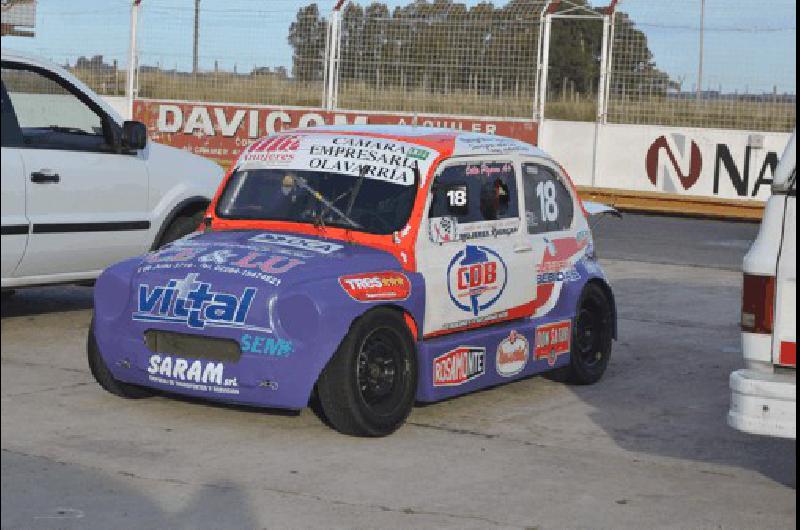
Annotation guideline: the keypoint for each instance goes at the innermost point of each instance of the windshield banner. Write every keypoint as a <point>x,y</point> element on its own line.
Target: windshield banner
<point>380,159</point>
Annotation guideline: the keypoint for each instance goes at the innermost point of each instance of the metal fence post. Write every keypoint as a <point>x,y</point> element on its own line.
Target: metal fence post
<point>331,73</point>
<point>130,88</point>
<point>544,63</point>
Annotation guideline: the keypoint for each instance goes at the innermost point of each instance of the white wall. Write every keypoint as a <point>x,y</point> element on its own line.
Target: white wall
<point>701,157</point>
<point>119,104</point>
<point>572,144</point>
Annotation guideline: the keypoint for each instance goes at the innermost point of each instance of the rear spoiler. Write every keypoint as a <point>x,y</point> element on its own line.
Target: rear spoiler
<point>595,208</point>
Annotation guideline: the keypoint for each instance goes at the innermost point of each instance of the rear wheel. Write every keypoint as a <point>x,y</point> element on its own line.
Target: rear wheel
<point>368,387</point>
<point>592,335</point>
<point>104,377</point>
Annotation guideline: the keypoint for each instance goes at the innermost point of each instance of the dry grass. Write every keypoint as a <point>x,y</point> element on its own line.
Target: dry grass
<point>274,90</point>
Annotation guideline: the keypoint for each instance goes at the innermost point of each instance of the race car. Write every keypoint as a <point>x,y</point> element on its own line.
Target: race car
<point>365,268</point>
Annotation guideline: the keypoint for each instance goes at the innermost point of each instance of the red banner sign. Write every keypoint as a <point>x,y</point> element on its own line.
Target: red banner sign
<point>222,131</point>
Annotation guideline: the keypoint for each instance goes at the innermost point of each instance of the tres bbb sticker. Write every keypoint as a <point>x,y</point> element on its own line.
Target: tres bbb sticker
<point>388,285</point>
<point>458,366</point>
<point>512,354</point>
<point>553,340</point>
<point>476,278</point>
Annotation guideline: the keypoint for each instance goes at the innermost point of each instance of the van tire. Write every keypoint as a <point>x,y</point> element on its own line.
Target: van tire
<point>181,226</point>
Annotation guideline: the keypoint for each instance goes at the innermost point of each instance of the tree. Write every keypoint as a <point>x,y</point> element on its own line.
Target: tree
<point>307,38</point>
<point>445,46</point>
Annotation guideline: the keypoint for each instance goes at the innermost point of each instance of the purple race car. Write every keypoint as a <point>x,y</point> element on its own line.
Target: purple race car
<point>369,267</point>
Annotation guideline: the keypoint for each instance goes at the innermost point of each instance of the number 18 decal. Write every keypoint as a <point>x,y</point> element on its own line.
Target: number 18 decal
<point>546,191</point>
<point>457,197</point>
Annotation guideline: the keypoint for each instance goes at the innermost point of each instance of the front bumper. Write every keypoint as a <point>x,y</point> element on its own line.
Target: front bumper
<point>764,403</point>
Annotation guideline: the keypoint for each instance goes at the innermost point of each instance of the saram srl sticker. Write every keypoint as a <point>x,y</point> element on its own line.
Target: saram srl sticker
<point>369,287</point>
<point>553,340</point>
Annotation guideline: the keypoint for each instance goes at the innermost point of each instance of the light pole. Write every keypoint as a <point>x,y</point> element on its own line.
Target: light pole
<point>700,62</point>
<point>196,29</point>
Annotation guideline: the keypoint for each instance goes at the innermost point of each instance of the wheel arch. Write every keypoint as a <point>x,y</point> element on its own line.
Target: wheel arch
<point>190,204</point>
<point>606,288</point>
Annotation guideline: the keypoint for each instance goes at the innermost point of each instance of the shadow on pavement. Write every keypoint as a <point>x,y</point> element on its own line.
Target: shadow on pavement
<point>42,300</point>
<point>41,493</point>
<point>666,390</point>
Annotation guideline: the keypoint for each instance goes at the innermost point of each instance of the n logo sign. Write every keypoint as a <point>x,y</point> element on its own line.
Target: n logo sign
<point>677,163</point>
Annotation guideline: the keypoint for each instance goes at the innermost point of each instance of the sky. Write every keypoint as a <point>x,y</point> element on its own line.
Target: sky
<point>745,48</point>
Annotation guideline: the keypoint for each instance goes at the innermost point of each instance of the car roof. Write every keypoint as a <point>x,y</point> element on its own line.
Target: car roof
<point>461,143</point>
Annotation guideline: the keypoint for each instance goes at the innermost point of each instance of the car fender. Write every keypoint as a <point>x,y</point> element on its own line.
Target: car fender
<point>337,312</point>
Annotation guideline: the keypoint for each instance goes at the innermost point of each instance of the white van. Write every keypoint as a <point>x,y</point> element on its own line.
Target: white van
<point>81,188</point>
<point>763,395</point>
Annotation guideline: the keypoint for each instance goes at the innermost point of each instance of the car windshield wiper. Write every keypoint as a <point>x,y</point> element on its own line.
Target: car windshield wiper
<point>352,192</point>
<point>318,219</point>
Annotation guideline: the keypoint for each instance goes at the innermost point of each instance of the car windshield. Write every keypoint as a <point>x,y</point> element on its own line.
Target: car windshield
<point>317,197</point>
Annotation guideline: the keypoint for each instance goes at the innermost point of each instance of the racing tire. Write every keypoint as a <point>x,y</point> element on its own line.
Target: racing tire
<point>103,375</point>
<point>369,385</point>
<point>592,336</point>
<point>181,226</point>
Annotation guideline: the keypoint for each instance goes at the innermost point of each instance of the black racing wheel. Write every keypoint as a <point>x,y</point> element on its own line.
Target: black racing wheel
<point>369,385</point>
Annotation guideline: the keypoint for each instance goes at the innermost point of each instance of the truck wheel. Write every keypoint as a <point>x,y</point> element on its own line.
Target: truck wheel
<point>181,226</point>
<point>368,387</point>
<point>103,375</point>
<point>591,337</point>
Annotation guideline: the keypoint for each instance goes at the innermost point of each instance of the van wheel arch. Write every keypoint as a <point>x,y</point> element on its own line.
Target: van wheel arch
<point>187,208</point>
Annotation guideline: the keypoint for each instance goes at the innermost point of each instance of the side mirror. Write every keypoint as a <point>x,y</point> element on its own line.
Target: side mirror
<point>134,135</point>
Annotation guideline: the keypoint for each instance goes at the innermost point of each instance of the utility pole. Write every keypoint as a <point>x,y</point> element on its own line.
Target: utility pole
<point>196,31</point>
<point>700,62</point>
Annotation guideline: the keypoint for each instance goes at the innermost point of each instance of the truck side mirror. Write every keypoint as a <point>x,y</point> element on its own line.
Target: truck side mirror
<point>134,135</point>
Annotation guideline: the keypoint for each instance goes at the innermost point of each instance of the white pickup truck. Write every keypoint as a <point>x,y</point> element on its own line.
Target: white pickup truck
<point>764,395</point>
<point>81,188</point>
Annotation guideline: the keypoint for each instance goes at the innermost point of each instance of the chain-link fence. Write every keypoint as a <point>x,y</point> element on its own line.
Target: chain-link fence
<point>440,57</point>
<point>234,52</point>
<point>704,63</point>
<point>91,43</point>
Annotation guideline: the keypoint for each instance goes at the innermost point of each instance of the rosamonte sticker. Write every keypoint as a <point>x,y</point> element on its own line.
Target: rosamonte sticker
<point>386,160</point>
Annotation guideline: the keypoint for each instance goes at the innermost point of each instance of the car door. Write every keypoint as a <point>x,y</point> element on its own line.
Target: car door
<point>472,251</point>
<point>15,225</point>
<point>86,201</point>
<point>550,225</point>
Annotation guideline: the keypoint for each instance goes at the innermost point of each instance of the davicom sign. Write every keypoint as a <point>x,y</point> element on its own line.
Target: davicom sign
<point>222,131</point>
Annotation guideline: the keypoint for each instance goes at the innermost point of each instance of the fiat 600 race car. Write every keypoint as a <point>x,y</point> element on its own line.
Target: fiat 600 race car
<point>369,267</point>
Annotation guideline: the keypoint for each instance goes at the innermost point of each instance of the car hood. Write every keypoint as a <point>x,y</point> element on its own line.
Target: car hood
<point>263,259</point>
<point>226,279</point>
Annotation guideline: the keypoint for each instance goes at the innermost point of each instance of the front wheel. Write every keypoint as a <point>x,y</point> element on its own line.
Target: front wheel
<point>368,387</point>
<point>592,336</point>
<point>104,377</point>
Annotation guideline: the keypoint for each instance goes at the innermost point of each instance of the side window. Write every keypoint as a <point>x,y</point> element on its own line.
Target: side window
<point>548,203</point>
<point>476,191</point>
<point>11,135</point>
<point>49,115</point>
